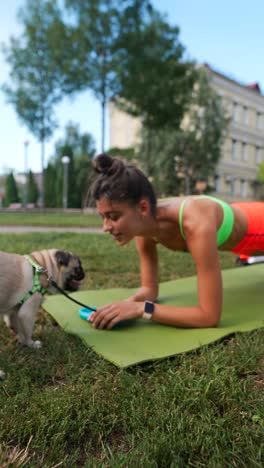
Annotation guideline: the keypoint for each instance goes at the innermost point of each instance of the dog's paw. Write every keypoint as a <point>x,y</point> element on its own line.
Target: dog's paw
<point>31,344</point>
<point>36,344</point>
<point>2,375</point>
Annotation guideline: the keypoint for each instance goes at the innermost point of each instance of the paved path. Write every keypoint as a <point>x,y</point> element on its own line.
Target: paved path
<point>23,229</point>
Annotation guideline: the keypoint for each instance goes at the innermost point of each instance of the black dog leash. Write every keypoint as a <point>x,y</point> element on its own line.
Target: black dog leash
<point>53,283</point>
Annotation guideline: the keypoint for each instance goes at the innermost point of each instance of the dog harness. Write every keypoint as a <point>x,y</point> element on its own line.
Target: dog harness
<point>37,287</point>
<point>226,227</point>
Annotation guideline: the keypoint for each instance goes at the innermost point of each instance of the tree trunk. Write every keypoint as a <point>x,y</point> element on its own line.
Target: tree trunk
<point>42,185</point>
<point>103,126</point>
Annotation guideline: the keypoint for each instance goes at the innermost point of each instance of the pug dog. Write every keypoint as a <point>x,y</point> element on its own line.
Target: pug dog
<point>24,281</point>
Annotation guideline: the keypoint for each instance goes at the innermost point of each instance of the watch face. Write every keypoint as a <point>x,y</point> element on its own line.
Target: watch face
<point>149,307</point>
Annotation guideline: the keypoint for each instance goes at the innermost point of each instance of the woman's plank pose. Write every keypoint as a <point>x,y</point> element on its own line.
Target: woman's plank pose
<point>201,225</point>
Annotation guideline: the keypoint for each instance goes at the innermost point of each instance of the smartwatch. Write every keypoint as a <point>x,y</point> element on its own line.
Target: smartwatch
<point>148,310</point>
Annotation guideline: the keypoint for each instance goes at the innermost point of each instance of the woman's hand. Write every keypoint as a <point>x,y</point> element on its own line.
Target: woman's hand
<point>110,314</point>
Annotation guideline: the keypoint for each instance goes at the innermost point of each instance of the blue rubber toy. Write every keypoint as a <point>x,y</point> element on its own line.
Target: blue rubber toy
<point>85,313</point>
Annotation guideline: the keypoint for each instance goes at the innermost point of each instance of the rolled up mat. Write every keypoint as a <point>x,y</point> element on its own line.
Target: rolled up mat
<point>141,340</point>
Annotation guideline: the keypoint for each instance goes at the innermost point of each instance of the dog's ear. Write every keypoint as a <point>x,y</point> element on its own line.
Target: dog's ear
<point>62,257</point>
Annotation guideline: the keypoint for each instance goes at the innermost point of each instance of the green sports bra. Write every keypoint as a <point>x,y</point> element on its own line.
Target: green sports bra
<point>226,227</point>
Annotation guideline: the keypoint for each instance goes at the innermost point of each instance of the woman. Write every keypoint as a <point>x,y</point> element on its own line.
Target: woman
<point>201,225</point>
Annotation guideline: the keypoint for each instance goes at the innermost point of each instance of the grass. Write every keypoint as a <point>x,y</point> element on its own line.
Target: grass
<point>60,219</point>
<point>65,406</point>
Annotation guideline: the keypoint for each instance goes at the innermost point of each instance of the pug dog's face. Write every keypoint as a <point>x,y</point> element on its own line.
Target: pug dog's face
<point>70,270</point>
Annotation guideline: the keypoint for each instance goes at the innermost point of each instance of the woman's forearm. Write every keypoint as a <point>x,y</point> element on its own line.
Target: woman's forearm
<point>183,317</point>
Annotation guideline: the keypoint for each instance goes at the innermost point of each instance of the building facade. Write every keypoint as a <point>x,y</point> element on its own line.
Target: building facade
<point>243,147</point>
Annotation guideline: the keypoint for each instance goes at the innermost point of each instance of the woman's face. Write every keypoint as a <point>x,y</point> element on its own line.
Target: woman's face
<point>122,220</point>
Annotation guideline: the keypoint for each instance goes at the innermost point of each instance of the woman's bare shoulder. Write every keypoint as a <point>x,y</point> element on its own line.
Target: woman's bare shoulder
<point>199,215</point>
<point>169,207</point>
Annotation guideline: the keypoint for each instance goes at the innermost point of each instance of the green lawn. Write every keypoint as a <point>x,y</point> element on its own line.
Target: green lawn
<point>65,406</point>
<point>49,219</point>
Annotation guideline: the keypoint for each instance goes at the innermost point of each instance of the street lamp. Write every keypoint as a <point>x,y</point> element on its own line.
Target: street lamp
<point>65,161</point>
<point>26,143</point>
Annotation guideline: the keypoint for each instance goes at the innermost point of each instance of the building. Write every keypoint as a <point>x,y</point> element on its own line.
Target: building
<point>243,147</point>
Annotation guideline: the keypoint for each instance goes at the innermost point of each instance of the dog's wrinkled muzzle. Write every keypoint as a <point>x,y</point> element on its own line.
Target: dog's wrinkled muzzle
<point>74,281</point>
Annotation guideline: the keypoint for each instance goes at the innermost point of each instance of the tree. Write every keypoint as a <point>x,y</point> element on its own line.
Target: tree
<point>51,181</point>
<point>156,156</point>
<point>260,177</point>
<point>32,191</point>
<point>99,30</point>
<point>178,158</point>
<point>259,183</point>
<point>125,153</point>
<point>201,133</point>
<point>35,74</point>
<point>11,191</point>
<point>81,149</point>
<point>94,34</point>
<point>155,80</point>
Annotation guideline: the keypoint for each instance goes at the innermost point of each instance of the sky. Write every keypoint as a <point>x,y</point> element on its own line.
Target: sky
<point>228,35</point>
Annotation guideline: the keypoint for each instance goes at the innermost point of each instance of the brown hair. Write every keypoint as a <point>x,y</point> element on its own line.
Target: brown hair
<point>119,181</point>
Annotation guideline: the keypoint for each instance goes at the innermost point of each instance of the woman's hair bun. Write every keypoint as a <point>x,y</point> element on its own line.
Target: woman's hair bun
<point>118,181</point>
<point>106,165</point>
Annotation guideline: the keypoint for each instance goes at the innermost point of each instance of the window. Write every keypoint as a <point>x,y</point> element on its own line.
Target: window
<point>243,188</point>
<point>258,154</point>
<point>234,150</point>
<point>217,181</point>
<point>235,111</point>
<point>245,115</point>
<point>258,120</point>
<point>232,186</point>
<point>244,152</point>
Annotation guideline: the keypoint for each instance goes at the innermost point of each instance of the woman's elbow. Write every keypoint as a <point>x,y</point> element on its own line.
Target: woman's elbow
<point>211,320</point>
<point>213,323</point>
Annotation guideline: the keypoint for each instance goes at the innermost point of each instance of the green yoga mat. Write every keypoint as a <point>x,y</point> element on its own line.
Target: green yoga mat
<point>141,341</point>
